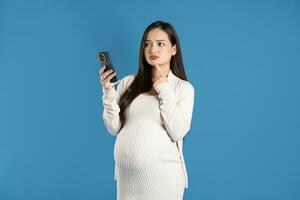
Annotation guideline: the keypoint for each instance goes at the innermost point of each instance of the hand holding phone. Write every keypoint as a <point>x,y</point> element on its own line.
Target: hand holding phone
<point>105,60</point>
<point>107,72</point>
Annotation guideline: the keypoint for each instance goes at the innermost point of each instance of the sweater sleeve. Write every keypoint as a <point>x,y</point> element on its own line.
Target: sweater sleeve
<point>176,112</point>
<point>110,99</point>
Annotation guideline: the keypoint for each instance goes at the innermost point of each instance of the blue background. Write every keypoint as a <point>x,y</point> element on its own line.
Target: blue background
<point>242,57</point>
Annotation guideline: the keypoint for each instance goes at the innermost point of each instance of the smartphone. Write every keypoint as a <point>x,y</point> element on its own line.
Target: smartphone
<point>105,59</point>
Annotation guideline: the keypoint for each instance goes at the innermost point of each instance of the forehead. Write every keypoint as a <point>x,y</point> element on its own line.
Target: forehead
<point>157,34</point>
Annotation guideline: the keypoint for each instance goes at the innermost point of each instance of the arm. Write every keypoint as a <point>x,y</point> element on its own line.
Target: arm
<point>111,109</point>
<point>177,114</point>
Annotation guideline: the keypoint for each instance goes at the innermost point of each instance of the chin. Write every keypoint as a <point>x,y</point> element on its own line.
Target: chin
<point>154,63</point>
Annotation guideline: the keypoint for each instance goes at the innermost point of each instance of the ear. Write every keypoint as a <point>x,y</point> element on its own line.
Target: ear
<point>174,50</point>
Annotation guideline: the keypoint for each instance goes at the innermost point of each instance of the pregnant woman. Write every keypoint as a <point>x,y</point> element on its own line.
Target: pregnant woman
<point>150,112</point>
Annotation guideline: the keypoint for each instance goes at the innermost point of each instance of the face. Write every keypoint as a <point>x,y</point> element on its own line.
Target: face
<point>158,48</point>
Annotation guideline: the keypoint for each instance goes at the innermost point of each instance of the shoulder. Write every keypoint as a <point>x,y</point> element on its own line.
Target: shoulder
<point>182,86</point>
<point>125,82</point>
<point>129,77</point>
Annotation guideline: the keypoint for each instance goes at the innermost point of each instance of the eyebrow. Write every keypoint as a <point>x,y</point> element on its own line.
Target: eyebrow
<point>156,40</point>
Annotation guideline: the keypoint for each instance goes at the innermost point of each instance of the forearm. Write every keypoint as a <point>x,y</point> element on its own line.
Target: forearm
<point>111,111</point>
<point>177,114</point>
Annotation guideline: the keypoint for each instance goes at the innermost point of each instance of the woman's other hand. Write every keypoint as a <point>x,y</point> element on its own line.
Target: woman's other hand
<point>157,76</point>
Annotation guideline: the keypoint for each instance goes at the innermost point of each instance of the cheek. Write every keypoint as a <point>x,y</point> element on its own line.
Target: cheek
<point>167,53</point>
<point>167,50</point>
<point>146,52</point>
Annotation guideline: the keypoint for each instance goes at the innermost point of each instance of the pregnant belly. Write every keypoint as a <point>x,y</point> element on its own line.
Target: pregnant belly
<point>140,145</point>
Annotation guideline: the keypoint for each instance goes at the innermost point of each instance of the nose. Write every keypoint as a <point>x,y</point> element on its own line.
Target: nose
<point>153,49</point>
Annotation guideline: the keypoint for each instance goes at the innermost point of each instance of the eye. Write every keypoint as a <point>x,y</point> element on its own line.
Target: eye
<point>147,44</point>
<point>161,44</point>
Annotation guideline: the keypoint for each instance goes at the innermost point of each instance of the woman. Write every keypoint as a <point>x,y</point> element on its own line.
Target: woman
<point>150,113</point>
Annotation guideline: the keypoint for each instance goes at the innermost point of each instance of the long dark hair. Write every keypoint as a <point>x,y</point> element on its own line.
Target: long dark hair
<point>143,79</point>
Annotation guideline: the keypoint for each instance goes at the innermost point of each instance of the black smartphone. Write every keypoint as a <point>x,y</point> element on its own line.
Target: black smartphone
<point>105,59</point>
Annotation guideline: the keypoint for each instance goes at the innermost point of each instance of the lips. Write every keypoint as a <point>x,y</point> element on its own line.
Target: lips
<point>154,57</point>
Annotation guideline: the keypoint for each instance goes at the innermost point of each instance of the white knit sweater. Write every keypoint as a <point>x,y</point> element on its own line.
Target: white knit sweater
<point>176,102</point>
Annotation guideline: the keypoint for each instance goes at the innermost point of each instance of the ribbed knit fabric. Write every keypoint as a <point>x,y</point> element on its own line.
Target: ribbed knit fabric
<point>149,163</point>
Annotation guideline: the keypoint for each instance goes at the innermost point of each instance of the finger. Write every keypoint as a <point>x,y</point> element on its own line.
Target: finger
<point>105,74</point>
<point>158,68</point>
<point>107,79</point>
<point>102,69</point>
